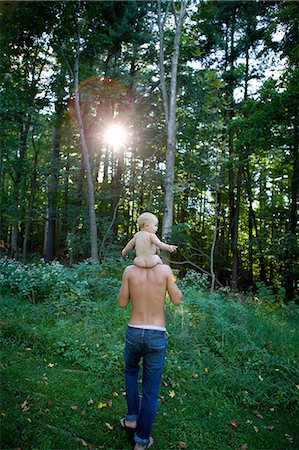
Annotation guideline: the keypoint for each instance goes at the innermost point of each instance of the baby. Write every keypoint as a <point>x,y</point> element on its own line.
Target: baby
<point>146,243</point>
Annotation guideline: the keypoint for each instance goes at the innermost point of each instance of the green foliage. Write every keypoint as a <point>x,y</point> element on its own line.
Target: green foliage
<point>227,360</point>
<point>194,281</point>
<point>267,295</point>
<point>52,281</point>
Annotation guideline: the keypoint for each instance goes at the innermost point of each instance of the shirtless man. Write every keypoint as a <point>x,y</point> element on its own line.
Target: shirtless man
<point>145,338</point>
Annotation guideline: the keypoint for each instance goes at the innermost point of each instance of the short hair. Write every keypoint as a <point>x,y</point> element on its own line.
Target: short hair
<point>146,218</point>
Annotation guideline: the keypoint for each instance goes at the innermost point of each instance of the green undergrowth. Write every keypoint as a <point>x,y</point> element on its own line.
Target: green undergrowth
<point>230,379</point>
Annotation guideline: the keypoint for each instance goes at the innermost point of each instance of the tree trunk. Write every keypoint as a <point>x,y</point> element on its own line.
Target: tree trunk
<point>290,254</point>
<point>31,201</point>
<point>50,246</point>
<point>18,181</point>
<point>90,192</point>
<point>250,224</point>
<point>235,239</point>
<point>233,220</point>
<point>170,111</point>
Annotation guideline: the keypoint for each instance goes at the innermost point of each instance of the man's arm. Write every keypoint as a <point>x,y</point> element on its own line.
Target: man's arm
<point>123,296</point>
<point>130,245</point>
<point>174,292</point>
<point>169,248</point>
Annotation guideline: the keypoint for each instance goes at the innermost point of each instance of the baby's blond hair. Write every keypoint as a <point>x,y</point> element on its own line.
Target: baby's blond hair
<point>146,218</point>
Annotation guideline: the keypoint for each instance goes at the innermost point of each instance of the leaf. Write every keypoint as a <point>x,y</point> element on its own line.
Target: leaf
<point>102,405</point>
<point>90,402</point>
<point>270,427</point>
<point>25,406</point>
<point>256,429</point>
<point>84,443</point>
<point>51,365</point>
<point>260,378</point>
<point>289,438</point>
<point>194,375</point>
<point>171,393</point>
<point>234,423</point>
<point>110,427</point>
<point>182,444</point>
<point>74,407</point>
<point>244,446</point>
<point>257,414</point>
<point>109,403</point>
<point>206,369</point>
<point>115,394</point>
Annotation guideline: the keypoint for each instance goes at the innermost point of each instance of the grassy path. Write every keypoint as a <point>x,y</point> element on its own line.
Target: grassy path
<point>230,379</point>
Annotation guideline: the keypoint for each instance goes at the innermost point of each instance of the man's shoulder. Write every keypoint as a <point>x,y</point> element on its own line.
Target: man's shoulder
<point>163,268</point>
<point>128,269</point>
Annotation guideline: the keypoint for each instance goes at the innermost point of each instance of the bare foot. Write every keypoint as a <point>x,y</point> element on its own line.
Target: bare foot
<point>142,447</point>
<point>125,423</point>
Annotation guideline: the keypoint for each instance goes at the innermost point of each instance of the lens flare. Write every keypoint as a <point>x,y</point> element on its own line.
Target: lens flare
<point>115,136</point>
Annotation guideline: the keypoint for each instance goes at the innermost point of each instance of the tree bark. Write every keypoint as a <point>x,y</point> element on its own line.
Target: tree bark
<point>31,202</point>
<point>235,270</point>
<point>290,256</point>
<point>90,191</point>
<point>50,244</point>
<point>170,111</point>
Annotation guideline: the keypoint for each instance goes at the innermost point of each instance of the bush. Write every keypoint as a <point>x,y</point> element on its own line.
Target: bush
<point>194,281</point>
<point>266,294</point>
<point>52,281</point>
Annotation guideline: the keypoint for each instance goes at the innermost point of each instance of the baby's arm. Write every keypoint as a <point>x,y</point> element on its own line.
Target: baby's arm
<point>130,245</point>
<point>169,248</point>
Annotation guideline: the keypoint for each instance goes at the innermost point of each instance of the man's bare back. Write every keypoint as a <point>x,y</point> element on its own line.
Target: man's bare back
<point>146,288</point>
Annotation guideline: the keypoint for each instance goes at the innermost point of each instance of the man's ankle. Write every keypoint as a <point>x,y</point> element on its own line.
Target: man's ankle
<point>142,447</point>
<point>131,423</point>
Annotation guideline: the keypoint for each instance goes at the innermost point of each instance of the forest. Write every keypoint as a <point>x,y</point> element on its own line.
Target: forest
<point>187,109</point>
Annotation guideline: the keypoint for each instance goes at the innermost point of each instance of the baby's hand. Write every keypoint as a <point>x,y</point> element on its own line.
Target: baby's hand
<point>172,248</point>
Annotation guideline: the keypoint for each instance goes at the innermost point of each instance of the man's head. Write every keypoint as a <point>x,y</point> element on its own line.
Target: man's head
<point>148,222</point>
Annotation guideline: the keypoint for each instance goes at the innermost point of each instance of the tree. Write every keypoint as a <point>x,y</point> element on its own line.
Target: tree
<point>169,103</point>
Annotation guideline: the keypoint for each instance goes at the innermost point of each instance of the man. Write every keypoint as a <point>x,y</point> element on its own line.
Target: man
<point>145,338</point>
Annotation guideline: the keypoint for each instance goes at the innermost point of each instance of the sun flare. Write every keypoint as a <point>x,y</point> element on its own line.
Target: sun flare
<point>115,136</point>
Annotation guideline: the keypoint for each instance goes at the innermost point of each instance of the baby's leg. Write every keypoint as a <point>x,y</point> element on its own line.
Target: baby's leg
<point>147,261</point>
<point>140,261</point>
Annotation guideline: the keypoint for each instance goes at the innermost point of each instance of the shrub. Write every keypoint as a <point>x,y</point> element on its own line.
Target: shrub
<point>266,294</point>
<point>52,281</point>
<point>194,281</point>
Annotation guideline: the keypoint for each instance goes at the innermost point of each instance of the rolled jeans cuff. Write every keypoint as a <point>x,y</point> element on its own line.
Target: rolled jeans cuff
<point>131,416</point>
<point>140,441</point>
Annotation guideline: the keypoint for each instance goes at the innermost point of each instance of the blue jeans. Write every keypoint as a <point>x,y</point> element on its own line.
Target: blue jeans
<point>151,346</point>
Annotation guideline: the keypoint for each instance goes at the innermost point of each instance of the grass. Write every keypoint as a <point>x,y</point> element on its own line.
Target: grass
<point>230,380</point>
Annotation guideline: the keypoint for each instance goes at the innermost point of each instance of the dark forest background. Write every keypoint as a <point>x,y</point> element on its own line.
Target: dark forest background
<point>236,167</point>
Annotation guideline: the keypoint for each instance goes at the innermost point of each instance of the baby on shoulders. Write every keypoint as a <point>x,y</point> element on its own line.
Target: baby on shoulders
<point>146,243</point>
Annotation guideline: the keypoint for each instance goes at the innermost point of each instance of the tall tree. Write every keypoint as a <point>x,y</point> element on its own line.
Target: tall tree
<point>169,103</point>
